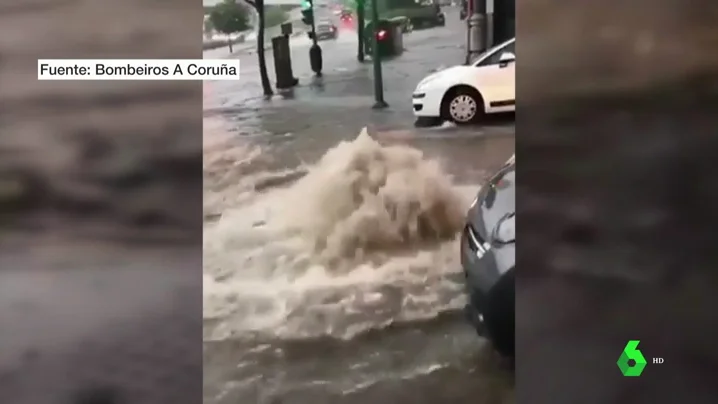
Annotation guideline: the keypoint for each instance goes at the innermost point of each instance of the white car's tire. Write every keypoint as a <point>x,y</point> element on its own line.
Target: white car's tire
<point>462,105</point>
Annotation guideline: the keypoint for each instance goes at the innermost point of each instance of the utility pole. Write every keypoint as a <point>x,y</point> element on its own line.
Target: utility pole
<point>478,27</point>
<point>361,9</point>
<point>376,59</point>
<point>315,52</point>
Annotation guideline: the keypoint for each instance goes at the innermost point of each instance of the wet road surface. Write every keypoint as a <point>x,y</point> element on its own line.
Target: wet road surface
<point>330,269</point>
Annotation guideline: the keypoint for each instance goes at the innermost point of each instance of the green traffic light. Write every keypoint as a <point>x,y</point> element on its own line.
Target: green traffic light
<point>306,4</point>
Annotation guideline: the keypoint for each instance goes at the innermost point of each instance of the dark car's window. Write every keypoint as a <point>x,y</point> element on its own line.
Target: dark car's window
<point>503,179</point>
<point>494,58</point>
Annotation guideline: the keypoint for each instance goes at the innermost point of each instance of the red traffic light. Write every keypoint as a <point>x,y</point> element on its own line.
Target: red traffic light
<point>381,35</point>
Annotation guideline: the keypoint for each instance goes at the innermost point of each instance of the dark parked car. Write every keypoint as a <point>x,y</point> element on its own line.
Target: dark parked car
<point>488,257</point>
<point>427,16</point>
<point>326,30</point>
<point>404,23</point>
<point>388,38</point>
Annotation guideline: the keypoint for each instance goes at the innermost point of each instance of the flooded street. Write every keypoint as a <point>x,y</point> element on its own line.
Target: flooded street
<point>331,273</point>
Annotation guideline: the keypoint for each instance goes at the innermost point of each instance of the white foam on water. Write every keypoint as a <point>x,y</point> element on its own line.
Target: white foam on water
<point>364,239</point>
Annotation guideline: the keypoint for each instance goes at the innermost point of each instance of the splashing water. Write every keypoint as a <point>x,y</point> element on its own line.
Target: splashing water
<point>363,239</point>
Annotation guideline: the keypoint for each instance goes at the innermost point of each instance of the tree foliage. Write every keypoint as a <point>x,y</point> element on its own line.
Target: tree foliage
<point>274,16</point>
<point>207,27</point>
<point>229,17</point>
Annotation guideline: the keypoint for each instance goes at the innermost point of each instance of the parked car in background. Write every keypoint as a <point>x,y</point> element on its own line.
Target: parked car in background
<point>488,258</point>
<point>389,40</point>
<point>345,15</point>
<point>464,94</point>
<point>404,23</point>
<point>426,16</point>
<point>326,30</point>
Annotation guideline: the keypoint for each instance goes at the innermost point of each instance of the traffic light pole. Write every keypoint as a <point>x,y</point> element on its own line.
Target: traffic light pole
<point>314,29</point>
<point>361,9</point>
<point>376,59</point>
<point>315,55</point>
<point>315,52</point>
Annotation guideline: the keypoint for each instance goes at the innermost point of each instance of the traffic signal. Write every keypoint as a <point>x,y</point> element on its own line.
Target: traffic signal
<point>307,12</point>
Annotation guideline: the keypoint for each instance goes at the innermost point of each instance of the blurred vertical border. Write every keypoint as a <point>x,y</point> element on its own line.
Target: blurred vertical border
<point>616,138</point>
<point>100,208</point>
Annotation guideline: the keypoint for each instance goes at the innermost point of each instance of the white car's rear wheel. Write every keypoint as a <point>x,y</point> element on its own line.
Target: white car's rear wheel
<point>462,105</point>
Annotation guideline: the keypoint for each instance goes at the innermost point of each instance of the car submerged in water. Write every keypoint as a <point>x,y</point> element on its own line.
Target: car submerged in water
<point>488,258</point>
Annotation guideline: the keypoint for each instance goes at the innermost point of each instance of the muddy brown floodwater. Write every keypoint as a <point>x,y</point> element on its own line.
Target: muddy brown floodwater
<point>331,273</point>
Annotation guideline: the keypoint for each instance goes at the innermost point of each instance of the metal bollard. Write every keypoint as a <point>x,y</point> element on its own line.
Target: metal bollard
<point>283,62</point>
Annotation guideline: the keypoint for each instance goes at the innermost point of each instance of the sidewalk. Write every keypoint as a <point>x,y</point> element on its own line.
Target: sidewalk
<point>341,100</point>
<point>237,49</point>
<point>249,46</point>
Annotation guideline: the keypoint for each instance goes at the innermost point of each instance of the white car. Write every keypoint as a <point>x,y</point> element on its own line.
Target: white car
<point>463,94</point>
